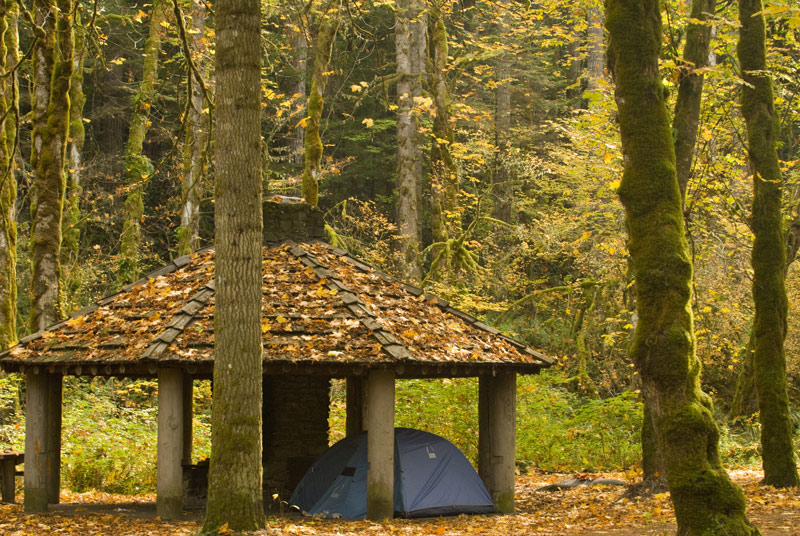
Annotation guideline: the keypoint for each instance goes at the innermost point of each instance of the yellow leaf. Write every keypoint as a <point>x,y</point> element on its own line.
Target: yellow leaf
<point>281,320</point>
<point>265,327</point>
<point>165,24</point>
<point>302,123</point>
<point>368,122</point>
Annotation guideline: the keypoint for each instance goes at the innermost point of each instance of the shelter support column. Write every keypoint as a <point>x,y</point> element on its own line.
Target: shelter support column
<point>169,485</point>
<point>55,391</point>
<point>37,409</point>
<point>497,415</point>
<point>188,412</point>
<point>380,444</point>
<point>355,406</point>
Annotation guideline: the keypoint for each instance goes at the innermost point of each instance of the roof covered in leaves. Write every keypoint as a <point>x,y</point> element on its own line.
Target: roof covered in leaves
<point>324,312</point>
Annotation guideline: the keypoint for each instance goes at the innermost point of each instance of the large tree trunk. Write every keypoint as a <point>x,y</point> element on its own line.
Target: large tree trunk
<point>323,46</point>
<point>663,349</point>
<point>690,89</point>
<point>769,254</point>
<point>234,479</point>
<point>8,180</point>
<point>52,73</point>
<point>137,166</point>
<point>684,125</point>
<point>410,41</point>
<point>195,142</point>
<point>70,245</point>
<point>445,216</point>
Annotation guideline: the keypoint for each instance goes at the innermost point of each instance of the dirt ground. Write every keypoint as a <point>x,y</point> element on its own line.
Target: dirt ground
<point>580,511</point>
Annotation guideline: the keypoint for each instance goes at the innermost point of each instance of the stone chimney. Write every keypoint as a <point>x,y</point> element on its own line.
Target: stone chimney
<point>290,218</point>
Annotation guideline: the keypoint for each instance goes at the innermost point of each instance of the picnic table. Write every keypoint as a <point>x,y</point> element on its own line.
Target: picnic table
<point>9,459</point>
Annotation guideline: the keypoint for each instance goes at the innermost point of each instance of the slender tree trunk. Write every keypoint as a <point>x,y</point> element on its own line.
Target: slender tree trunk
<point>410,40</point>
<point>72,203</point>
<point>323,46</point>
<point>663,349</point>
<point>137,166</point>
<point>690,89</point>
<point>445,216</point>
<point>8,182</point>
<point>745,402</point>
<point>299,44</point>
<point>235,484</point>
<point>196,142</point>
<point>769,254</point>
<point>52,74</point>
<point>502,194</point>
<point>596,46</point>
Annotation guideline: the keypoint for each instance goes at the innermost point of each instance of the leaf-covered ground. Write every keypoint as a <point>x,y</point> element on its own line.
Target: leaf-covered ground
<point>581,511</point>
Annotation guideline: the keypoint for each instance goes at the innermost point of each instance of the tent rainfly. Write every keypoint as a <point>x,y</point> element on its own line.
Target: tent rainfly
<point>325,315</point>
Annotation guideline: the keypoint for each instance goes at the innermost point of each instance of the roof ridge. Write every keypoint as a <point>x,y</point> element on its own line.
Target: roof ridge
<point>180,320</point>
<point>389,343</point>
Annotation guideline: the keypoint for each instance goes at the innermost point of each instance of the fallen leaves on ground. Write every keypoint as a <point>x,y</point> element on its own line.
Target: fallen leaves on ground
<point>581,511</point>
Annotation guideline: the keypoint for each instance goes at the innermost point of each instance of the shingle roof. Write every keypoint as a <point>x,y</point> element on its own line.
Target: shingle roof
<point>324,312</point>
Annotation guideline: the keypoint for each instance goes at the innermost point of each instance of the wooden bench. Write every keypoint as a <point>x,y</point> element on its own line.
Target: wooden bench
<point>8,471</point>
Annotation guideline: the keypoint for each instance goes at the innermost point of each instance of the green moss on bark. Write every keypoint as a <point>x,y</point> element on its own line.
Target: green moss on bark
<point>323,46</point>
<point>52,76</point>
<point>8,196</point>
<point>137,166</point>
<point>769,250</point>
<point>663,348</point>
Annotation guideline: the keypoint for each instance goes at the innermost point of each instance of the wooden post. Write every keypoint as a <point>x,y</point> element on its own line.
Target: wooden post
<point>169,485</point>
<point>188,414</point>
<point>497,400</point>
<point>36,421</point>
<point>55,392</point>
<point>380,445</point>
<point>355,406</point>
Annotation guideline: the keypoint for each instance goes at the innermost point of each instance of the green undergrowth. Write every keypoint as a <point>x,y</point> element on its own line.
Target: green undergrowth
<point>110,427</point>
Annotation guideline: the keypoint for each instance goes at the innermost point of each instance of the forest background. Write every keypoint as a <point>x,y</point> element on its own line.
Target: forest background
<point>518,221</point>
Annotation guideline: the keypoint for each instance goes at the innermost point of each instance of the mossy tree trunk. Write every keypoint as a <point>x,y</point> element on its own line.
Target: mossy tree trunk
<point>235,479</point>
<point>322,46</point>
<point>663,348</point>
<point>137,165</point>
<point>8,181</point>
<point>195,148</point>
<point>744,402</point>
<point>445,215</point>
<point>769,254</point>
<point>52,73</point>
<point>70,246</point>
<point>299,44</point>
<point>501,193</point>
<point>685,122</point>
<point>410,50</point>
<point>690,89</point>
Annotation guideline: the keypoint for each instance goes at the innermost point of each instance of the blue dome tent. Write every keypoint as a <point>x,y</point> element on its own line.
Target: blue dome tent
<point>432,478</point>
